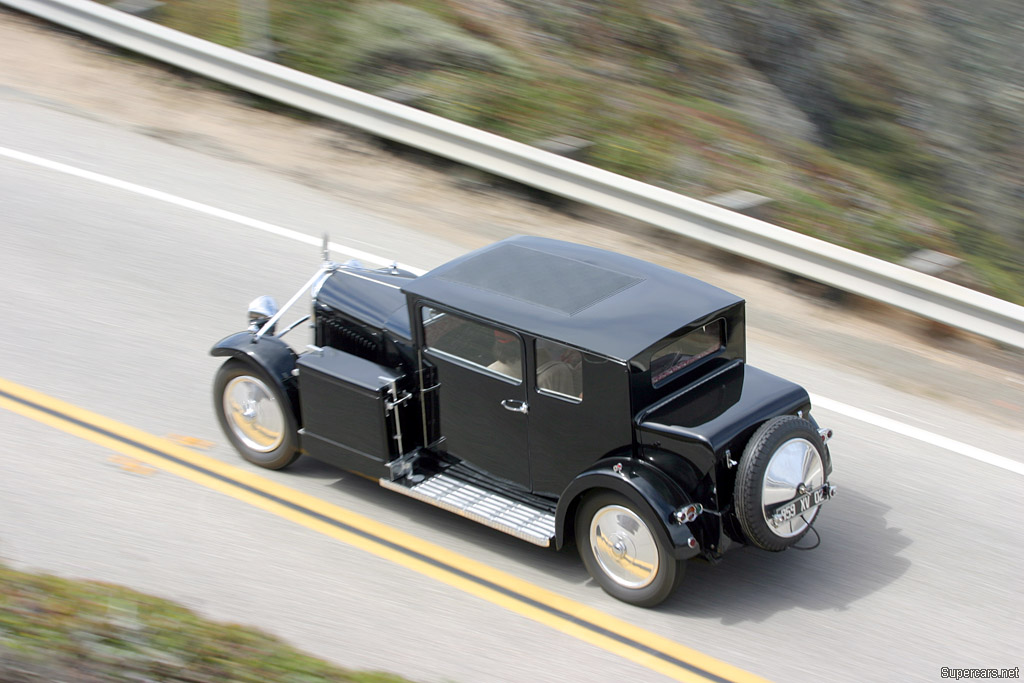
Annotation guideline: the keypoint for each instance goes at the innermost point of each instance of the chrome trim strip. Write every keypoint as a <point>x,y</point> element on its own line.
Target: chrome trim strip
<point>370,279</point>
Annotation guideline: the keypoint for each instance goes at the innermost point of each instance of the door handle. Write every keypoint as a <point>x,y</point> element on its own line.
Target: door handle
<point>515,406</point>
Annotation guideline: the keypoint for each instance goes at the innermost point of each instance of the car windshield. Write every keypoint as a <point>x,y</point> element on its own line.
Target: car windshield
<point>684,351</point>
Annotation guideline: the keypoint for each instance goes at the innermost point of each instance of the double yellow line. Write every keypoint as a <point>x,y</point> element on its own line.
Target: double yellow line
<point>589,625</point>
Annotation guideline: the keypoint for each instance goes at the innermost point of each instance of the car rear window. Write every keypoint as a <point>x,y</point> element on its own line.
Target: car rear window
<point>680,353</point>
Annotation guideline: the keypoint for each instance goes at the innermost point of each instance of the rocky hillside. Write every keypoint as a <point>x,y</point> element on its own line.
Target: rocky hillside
<point>883,125</point>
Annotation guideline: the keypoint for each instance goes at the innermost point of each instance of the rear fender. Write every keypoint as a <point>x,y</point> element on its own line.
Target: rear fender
<point>270,354</point>
<point>644,486</point>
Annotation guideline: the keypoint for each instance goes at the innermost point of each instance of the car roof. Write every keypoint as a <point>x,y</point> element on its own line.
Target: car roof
<point>596,300</point>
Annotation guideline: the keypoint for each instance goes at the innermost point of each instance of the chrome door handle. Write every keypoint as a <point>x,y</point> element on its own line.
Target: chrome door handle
<point>515,406</point>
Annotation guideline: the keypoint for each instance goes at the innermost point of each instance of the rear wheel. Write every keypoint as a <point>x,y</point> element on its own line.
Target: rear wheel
<point>254,415</point>
<point>783,460</point>
<point>621,550</point>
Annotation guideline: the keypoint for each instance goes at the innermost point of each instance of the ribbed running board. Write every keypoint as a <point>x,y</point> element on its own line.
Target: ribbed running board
<point>480,505</point>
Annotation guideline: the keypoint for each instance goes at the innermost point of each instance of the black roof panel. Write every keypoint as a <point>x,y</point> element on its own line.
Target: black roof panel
<point>596,300</point>
<point>542,279</point>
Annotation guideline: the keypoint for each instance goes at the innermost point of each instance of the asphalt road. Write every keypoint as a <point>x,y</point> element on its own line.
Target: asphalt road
<point>110,300</point>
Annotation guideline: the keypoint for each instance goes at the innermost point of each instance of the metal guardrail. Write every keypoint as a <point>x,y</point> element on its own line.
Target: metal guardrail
<point>835,266</point>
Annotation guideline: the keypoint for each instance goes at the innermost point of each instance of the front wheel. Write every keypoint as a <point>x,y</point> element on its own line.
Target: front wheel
<point>621,551</point>
<point>254,415</point>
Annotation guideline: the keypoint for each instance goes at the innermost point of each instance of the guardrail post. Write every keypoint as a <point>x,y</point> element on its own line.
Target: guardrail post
<point>139,8</point>
<point>254,24</point>
<point>741,201</point>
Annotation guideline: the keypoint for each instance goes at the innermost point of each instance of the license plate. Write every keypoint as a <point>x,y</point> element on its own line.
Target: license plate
<point>799,506</point>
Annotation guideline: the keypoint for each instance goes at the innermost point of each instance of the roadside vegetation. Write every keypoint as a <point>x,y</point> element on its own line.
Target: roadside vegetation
<point>812,105</point>
<point>54,629</point>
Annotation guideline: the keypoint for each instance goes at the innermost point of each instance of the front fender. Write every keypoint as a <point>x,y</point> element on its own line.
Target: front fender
<point>644,486</point>
<point>270,354</point>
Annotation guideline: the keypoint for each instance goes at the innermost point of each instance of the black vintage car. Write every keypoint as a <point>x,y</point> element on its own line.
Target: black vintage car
<point>557,392</point>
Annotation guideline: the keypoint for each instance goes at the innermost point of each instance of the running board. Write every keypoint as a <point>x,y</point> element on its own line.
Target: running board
<point>480,505</point>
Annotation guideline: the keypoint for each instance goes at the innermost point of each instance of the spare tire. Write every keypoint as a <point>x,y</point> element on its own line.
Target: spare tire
<point>783,460</point>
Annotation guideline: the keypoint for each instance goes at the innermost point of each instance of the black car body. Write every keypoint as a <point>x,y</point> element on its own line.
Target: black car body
<point>554,391</point>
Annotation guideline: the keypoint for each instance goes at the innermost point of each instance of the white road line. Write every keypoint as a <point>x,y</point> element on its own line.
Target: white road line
<point>897,427</point>
<point>197,206</point>
<point>844,409</point>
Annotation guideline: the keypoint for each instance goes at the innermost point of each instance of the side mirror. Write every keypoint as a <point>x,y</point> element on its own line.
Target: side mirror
<point>262,309</point>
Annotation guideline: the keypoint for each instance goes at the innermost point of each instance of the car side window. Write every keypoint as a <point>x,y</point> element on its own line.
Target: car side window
<point>474,343</point>
<point>559,370</point>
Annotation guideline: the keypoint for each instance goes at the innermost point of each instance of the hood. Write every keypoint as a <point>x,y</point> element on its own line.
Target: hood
<point>370,296</point>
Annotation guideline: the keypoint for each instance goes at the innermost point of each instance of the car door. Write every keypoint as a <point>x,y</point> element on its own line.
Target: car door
<point>481,395</point>
<point>579,412</point>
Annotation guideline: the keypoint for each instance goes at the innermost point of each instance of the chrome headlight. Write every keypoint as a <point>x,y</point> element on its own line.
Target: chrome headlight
<point>262,309</point>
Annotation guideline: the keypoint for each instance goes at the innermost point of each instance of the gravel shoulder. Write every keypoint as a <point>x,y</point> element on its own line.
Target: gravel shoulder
<point>63,71</point>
